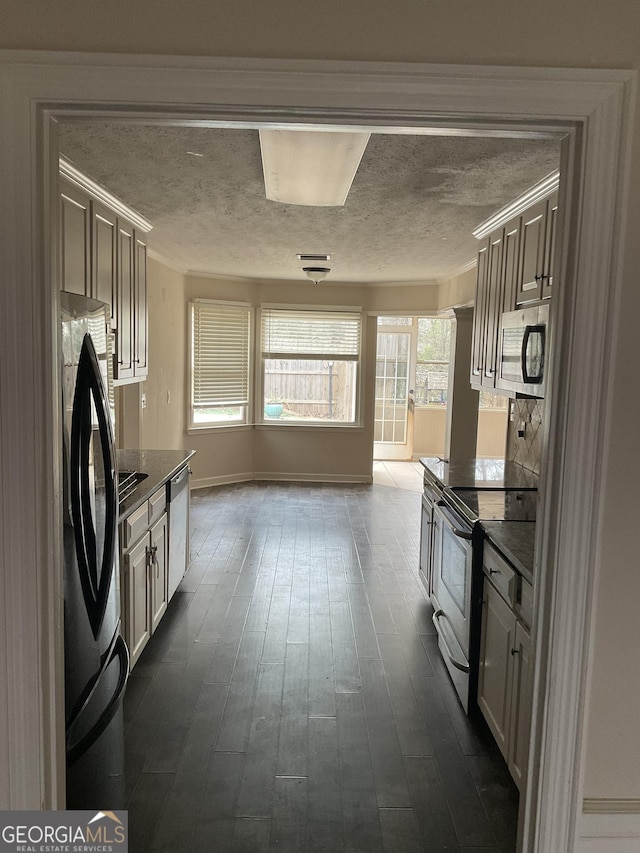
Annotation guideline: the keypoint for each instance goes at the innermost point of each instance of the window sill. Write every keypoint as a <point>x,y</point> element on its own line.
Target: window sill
<point>211,428</point>
<point>317,426</point>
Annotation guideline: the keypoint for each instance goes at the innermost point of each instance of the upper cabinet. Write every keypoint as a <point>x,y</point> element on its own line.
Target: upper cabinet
<point>124,304</point>
<point>75,239</point>
<point>515,267</point>
<point>550,246</point>
<point>104,230</point>
<point>538,229</point>
<point>103,254</point>
<point>479,317</point>
<point>494,305</point>
<point>140,313</point>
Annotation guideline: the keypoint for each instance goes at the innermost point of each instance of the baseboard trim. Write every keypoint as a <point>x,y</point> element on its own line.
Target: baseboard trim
<point>611,806</point>
<point>610,826</point>
<point>345,479</point>
<point>276,477</point>
<point>224,480</point>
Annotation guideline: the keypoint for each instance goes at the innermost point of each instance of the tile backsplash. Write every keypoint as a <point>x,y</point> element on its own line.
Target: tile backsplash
<point>525,433</point>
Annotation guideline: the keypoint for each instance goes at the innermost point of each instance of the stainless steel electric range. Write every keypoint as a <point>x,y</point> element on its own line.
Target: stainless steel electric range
<point>451,554</point>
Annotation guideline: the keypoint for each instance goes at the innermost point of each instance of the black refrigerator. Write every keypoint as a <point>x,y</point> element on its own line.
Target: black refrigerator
<point>96,656</point>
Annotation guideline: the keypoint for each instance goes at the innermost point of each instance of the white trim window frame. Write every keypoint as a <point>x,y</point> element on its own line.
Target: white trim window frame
<point>220,364</point>
<point>331,341</point>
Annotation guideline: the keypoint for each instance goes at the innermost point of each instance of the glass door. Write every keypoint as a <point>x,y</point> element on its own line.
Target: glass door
<point>394,404</point>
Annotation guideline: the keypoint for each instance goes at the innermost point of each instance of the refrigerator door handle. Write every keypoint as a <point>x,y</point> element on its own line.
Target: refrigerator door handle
<point>120,651</point>
<point>95,568</point>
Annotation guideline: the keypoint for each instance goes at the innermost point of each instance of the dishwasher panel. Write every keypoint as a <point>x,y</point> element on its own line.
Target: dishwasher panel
<point>178,511</point>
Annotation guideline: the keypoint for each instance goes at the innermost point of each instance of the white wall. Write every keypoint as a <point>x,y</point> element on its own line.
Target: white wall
<point>163,419</point>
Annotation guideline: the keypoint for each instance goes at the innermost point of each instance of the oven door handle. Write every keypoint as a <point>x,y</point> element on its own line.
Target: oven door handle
<point>451,521</point>
<point>442,631</point>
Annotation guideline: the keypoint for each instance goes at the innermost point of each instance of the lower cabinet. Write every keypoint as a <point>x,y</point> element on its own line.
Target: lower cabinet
<point>505,675</point>
<point>520,723</point>
<point>144,559</point>
<point>496,670</point>
<point>158,562</point>
<point>136,613</point>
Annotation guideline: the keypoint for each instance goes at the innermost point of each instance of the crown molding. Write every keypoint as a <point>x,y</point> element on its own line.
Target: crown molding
<point>431,282</point>
<point>239,279</point>
<point>458,271</point>
<point>427,282</point>
<point>537,192</point>
<point>73,174</point>
<point>166,262</point>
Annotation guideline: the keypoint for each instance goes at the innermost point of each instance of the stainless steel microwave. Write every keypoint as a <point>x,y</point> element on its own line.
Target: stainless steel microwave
<point>522,355</point>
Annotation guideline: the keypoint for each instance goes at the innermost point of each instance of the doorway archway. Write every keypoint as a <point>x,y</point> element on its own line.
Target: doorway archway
<point>37,89</point>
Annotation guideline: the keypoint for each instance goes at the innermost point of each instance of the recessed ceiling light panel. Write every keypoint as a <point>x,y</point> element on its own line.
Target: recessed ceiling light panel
<point>310,167</point>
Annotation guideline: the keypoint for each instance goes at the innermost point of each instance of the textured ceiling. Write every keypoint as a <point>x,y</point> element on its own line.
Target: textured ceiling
<point>408,216</point>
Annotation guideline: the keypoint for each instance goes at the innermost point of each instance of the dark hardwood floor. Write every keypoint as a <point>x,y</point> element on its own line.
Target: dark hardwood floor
<point>293,697</point>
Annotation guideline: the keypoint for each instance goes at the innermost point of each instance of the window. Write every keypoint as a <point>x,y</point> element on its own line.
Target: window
<point>310,366</point>
<point>220,367</point>
<point>432,364</point>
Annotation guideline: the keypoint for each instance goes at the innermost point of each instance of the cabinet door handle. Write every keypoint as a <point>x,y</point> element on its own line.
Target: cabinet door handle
<point>152,556</point>
<point>515,652</point>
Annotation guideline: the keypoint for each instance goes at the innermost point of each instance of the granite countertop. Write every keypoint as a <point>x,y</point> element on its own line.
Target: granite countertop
<point>492,473</point>
<point>159,465</point>
<point>516,540</point>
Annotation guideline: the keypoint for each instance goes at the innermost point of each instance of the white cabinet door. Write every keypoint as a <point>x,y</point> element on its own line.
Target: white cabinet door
<point>534,236</point>
<point>520,727</point>
<point>494,302</point>
<point>158,570</point>
<point>75,240</point>
<point>479,318</point>
<point>137,611</point>
<point>550,251</point>
<point>140,319</point>
<point>495,676</point>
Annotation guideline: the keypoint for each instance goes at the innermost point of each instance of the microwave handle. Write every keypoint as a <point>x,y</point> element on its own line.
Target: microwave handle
<point>538,329</point>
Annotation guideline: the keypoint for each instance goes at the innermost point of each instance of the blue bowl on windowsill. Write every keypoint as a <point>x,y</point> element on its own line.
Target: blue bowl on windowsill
<point>273,410</point>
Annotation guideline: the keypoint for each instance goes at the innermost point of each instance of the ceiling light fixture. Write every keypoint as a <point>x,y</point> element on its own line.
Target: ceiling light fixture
<point>310,167</point>
<point>316,274</point>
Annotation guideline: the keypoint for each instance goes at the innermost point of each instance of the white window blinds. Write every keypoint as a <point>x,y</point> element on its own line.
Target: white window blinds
<point>328,335</point>
<point>220,368</point>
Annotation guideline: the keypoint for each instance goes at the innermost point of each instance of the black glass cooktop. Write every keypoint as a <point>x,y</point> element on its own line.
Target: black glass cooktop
<point>479,474</point>
<point>496,504</point>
